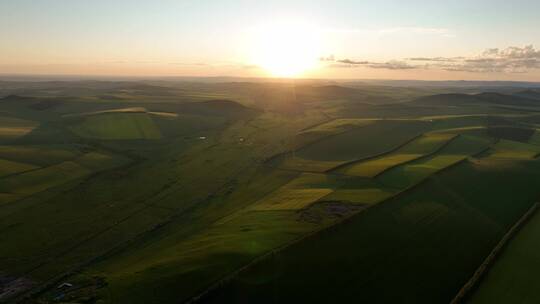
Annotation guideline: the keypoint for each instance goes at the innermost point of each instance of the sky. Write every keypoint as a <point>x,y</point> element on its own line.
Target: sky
<point>414,39</point>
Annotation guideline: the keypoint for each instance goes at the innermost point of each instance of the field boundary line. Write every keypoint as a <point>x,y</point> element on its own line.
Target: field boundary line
<point>392,150</point>
<point>292,150</point>
<point>432,153</point>
<point>490,260</point>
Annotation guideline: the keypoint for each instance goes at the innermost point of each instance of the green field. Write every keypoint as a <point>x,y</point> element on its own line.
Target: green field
<point>38,155</point>
<point>363,142</point>
<point>513,278</point>
<point>117,125</point>
<point>355,144</point>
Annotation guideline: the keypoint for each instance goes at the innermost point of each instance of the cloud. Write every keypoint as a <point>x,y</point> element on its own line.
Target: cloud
<point>393,65</point>
<point>389,65</point>
<point>353,62</point>
<point>509,60</point>
<point>436,59</point>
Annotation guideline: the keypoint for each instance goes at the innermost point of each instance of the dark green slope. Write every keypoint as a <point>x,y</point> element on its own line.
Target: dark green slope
<point>418,248</point>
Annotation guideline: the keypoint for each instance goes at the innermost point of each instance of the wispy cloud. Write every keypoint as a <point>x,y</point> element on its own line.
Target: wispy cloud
<point>393,65</point>
<point>509,60</point>
<point>353,62</point>
<point>436,59</point>
<point>389,65</point>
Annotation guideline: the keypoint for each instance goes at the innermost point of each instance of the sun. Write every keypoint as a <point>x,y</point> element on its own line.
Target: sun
<point>285,49</point>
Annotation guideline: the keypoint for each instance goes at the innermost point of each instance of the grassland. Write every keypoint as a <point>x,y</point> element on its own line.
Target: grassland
<point>280,192</point>
<point>513,278</point>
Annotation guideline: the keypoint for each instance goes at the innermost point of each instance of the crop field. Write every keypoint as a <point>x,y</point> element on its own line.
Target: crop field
<point>363,142</point>
<point>360,195</point>
<point>291,199</point>
<point>254,192</point>
<point>413,150</point>
<point>118,125</point>
<point>514,150</point>
<point>12,128</point>
<point>513,279</point>
<point>409,174</point>
<point>355,144</point>
<point>372,168</point>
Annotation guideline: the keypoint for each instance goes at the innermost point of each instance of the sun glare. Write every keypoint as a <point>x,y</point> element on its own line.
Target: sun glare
<point>285,49</point>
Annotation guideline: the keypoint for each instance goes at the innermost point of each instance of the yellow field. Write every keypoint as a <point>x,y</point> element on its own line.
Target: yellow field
<point>300,164</point>
<point>14,127</point>
<point>507,149</point>
<point>416,149</point>
<point>291,199</point>
<point>299,193</point>
<point>376,166</point>
<point>437,162</point>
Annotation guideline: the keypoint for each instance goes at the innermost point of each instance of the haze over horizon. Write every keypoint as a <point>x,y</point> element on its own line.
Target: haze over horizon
<point>428,40</point>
